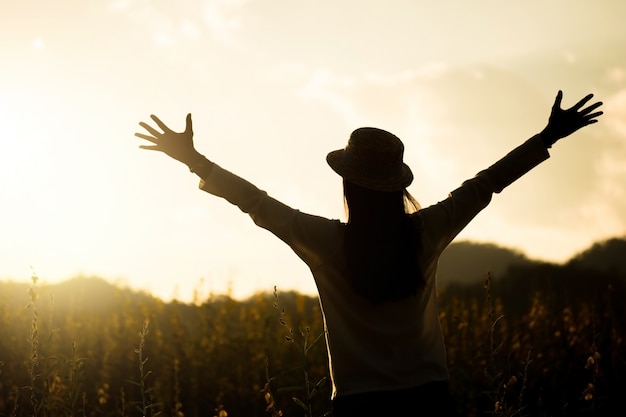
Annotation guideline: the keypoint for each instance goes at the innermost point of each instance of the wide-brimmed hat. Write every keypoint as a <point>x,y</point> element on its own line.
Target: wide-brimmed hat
<point>372,159</point>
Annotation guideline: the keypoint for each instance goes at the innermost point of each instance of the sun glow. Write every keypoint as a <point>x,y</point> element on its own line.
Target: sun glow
<point>271,94</point>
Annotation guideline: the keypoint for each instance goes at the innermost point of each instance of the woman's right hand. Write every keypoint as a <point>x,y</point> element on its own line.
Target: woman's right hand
<point>174,144</point>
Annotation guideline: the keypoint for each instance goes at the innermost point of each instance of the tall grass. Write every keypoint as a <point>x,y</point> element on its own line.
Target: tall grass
<point>134,355</point>
<point>305,393</point>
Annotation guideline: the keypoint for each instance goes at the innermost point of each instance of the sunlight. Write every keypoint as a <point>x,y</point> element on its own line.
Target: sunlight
<point>21,152</point>
<point>9,138</point>
<point>47,195</point>
<point>122,239</point>
<point>272,90</point>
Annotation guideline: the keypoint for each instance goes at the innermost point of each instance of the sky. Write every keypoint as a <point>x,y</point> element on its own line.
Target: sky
<point>273,86</point>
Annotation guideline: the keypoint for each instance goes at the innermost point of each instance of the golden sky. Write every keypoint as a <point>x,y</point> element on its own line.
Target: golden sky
<point>273,85</point>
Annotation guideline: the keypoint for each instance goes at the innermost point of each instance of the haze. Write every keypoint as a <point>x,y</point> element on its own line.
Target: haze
<point>273,86</point>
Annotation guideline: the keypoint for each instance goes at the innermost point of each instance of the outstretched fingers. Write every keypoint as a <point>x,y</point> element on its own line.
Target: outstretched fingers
<point>159,123</point>
<point>588,114</point>
<point>592,118</point>
<point>146,137</point>
<point>581,103</point>
<point>150,147</point>
<point>591,108</point>
<point>155,133</point>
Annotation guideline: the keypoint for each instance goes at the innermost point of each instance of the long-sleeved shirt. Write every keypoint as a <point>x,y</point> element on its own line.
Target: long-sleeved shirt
<point>394,345</point>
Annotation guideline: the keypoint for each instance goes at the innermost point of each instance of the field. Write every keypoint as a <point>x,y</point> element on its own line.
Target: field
<point>545,341</point>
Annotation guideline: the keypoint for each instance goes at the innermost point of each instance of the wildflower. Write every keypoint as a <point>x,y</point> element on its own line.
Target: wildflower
<point>588,392</point>
<point>498,406</point>
<point>512,381</point>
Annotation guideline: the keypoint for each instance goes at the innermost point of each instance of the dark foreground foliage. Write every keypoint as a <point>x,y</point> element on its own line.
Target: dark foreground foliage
<point>544,340</point>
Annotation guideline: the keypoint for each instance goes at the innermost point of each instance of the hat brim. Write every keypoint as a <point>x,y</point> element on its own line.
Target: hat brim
<point>396,181</point>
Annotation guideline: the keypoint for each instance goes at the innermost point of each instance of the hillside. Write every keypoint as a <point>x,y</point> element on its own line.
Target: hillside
<point>463,263</point>
<point>607,256</point>
<point>468,263</point>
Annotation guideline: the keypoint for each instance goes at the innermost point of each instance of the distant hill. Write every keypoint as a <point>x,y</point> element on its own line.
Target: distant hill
<point>76,294</point>
<point>605,256</point>
<point>594,276</point>
<point>466,262</point>
<point>463,263</point>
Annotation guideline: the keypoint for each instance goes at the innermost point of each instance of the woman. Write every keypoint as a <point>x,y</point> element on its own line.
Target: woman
<point>376,274</point>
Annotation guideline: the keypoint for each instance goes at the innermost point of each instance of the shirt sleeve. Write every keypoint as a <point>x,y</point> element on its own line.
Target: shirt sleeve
<point>443,221</point>
<point>312,238</point>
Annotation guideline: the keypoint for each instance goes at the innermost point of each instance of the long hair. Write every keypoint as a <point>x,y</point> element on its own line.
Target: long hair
<point>382,243</point>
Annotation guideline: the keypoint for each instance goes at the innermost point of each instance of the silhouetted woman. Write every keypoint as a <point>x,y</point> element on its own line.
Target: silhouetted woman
<point>376,274</point>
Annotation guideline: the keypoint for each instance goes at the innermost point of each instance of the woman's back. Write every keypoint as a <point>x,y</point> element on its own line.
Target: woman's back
<point>380,345</point>
<point>381,244</point>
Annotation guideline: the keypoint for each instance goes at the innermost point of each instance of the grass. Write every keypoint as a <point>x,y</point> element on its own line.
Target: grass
<point>266,356</point>
<point>304,394</point>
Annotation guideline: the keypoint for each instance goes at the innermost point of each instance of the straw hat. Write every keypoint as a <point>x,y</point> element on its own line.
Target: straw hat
<point>372,159</point>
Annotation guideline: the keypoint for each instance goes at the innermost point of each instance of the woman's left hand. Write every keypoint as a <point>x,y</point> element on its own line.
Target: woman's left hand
<point>564,122</point>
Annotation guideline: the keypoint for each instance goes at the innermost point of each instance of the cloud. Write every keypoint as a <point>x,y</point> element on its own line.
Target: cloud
<point>330,89</point>
<point>119,5</point>
<point>223,19</point>
<point>163,38</point>
<point>189,29</point>
<point>174,24</point>
<point>373,96</point>
<point>615,109</point>
<point>608,198</point>
<point>616,74</point>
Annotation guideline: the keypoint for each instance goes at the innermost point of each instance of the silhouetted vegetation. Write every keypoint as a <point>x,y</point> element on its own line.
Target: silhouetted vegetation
<point>538,339</point>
